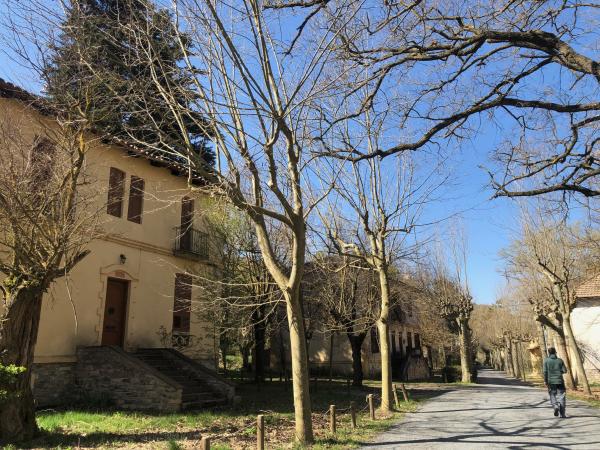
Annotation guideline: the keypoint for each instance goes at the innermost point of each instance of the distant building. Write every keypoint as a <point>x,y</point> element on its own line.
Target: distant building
<point>585,320</point>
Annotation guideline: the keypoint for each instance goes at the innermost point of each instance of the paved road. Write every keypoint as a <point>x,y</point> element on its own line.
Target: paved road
<point>499,413</point>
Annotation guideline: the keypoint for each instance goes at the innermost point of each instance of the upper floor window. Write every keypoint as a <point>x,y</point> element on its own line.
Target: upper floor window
<point>136,199</point>
<point>116,188</point>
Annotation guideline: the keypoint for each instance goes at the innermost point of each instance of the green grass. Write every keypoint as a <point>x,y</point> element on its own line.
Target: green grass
<point>110,429</point>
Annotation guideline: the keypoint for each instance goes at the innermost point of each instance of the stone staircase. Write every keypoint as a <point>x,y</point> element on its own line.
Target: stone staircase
<point>153,379</point>
<point>199,385</point>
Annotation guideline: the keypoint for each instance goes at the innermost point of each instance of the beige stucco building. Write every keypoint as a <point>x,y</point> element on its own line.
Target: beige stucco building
<point>133,290</point>
<point>331,351</point>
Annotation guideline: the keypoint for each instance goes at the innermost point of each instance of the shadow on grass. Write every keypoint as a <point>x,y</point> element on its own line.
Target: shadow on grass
<point>98,439</point>
<point>79,426</point>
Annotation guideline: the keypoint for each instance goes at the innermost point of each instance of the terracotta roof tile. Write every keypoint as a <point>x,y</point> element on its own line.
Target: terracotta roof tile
<point>590,288</point>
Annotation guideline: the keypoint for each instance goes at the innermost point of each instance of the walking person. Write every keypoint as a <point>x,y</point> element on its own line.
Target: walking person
<point>554,368</point>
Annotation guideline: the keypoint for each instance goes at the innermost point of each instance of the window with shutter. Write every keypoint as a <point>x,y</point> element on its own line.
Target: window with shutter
<point>136,199</point>
<point>182,303</point>
<point>116,189</point>
<point>42,161</point>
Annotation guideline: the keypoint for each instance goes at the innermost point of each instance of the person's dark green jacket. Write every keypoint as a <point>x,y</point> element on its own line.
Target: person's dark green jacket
<point>554,367</point>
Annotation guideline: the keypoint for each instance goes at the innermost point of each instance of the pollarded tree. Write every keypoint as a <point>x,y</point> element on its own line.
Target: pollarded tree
<point>45,223</point>
<point>455,305</point>
<point>374,209</point>
<point>549,254</point>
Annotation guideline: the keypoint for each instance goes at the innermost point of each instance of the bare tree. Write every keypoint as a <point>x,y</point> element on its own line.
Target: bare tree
<point>46,220</point>
<point>531,68</point>
<point>373,214</point>
<point>549,257</point>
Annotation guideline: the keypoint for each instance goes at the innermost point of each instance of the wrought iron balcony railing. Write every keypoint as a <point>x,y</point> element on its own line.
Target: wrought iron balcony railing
<point>190,242</point>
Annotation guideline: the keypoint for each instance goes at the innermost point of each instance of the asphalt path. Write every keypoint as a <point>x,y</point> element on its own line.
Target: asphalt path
<point>497,413</point>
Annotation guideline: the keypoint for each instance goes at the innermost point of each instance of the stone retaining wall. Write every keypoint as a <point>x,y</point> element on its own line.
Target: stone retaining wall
<point>54,384</point>
<point>128,383</point>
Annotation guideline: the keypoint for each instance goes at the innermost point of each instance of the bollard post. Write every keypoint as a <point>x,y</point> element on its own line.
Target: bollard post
<point>260,432</point>
<point>353,414</point>
<point>396,401</point>
<point>205,443</point>
<point>371,406</point>
<point>404,393</point>
<point>332,424</point>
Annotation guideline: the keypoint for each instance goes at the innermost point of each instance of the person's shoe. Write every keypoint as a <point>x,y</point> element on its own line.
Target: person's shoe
<point>562,412</point>
<point>555,412</point>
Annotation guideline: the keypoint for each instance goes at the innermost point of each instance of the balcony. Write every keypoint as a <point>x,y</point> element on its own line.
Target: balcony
<point>190,243</point>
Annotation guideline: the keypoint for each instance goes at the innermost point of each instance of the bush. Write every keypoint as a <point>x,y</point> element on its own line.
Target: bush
<point>8,381</point>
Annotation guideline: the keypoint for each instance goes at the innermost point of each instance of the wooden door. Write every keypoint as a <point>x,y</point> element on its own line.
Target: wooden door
<point>115,312</point>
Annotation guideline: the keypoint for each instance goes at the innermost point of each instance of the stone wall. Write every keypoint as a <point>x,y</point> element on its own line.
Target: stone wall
<point>128,383</point>
<point>54,384</point>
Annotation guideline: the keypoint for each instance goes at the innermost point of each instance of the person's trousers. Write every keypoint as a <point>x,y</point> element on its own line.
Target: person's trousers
<point>558,397</point>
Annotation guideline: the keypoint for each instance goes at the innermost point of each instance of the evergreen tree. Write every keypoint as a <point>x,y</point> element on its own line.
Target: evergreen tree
<point>101,58</point>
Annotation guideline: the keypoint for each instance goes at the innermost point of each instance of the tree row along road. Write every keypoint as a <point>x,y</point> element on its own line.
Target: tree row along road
<point>498,413</point>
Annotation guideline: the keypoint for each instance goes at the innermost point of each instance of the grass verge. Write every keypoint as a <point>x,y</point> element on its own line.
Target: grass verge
<point>229,428</point>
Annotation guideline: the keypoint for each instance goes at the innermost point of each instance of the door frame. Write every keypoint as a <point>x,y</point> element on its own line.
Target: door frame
<point>126,312</point>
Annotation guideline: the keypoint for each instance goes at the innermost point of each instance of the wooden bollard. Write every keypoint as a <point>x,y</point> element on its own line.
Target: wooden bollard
<point>396,401</point>
<point>260,432</point>
<point>371,406</point>
<point>332,424</point>
<point>353,414</point>
<point>205,443</point>
<point>404,393</point>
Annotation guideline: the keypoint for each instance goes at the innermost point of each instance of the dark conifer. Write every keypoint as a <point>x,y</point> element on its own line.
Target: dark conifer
<point>114,54</point>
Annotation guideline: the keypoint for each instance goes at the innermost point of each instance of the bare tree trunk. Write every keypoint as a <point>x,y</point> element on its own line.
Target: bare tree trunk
<point>508,361</point>
<point>18,335</point>
<point>562,350</point>
<point>331,340</point>
<point>356,341</point>
<point>300,376</point>
<point>259,351</point>
<point>384,342</point>
<point>466,364</point>
<point>576,354</point>
<point>515,359</point>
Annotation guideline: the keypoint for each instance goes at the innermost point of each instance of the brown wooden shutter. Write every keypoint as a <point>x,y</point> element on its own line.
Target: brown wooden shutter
<point>43,154</point>
<point>187,220</point>
<point>136,199</point>
<point>183,303</point>
<point>115,192</point>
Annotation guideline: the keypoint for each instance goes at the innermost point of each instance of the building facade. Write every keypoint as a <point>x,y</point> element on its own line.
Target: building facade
<point>133,291</point>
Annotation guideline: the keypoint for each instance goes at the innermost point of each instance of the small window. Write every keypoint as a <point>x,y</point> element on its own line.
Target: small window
<point>136,199</point>
<point>116,188</point>
<point>374,341</point>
